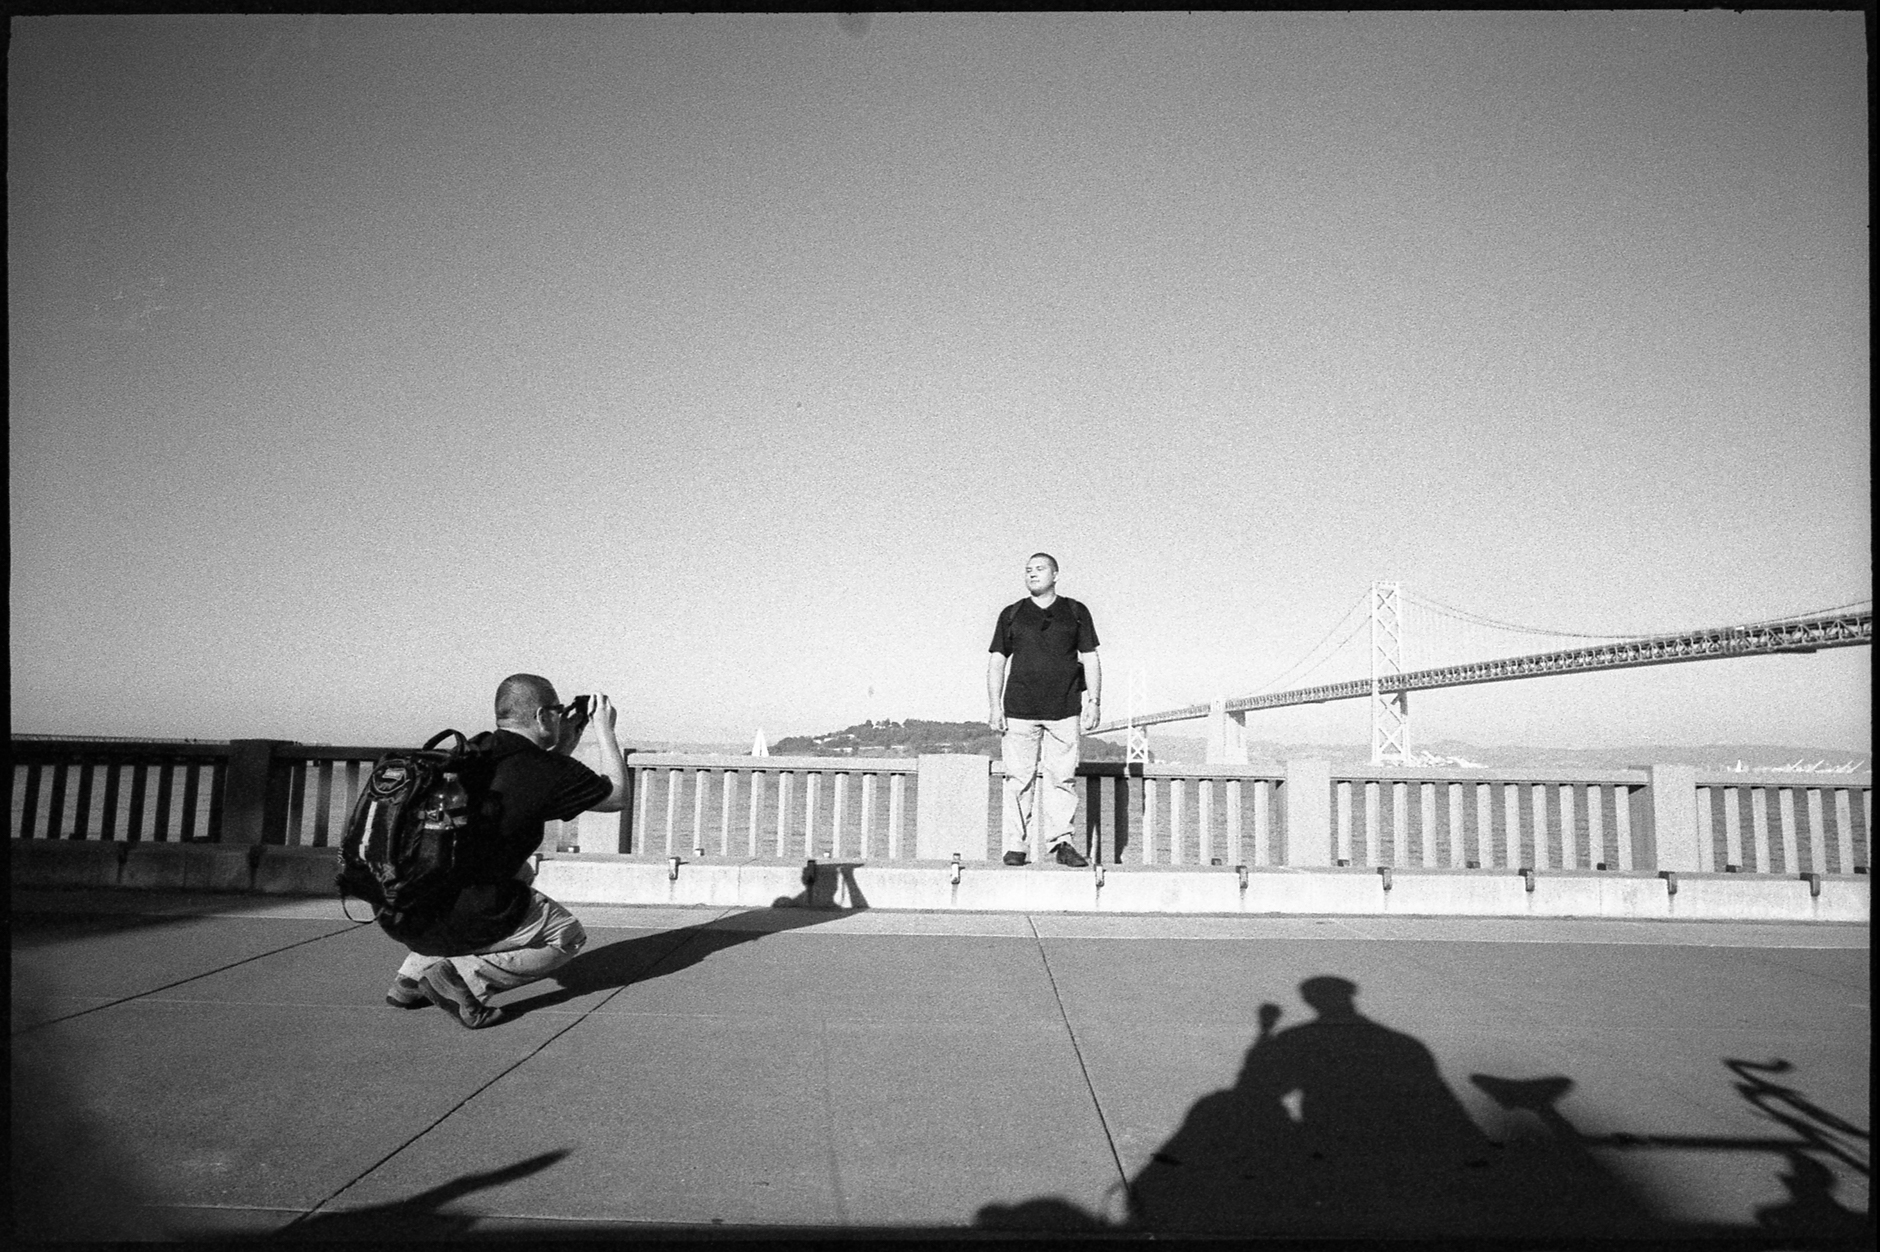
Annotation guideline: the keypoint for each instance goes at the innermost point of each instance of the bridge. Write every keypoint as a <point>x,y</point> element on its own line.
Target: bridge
<point>1389,611</point>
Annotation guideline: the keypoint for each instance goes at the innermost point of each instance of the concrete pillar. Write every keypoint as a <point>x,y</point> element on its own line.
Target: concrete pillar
<point>1227,735</point>
<point>254,793</point>
<point>1308,799</point>
<point>951,807</point>
<point>1672,839</point>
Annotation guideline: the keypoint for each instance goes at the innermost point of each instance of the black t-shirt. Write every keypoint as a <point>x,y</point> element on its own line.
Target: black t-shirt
<point>1045,680</point>
<point>531,786</point>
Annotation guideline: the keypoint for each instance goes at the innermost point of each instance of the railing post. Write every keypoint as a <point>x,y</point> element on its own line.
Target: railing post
<point>623,837</point>
<point>254,793</point>
<point>1671,840</point>
<point>950,807</point>
<point>1308,831</point>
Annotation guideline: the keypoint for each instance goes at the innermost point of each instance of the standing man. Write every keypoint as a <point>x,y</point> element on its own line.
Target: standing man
<point>1043,687</point>
<point>511,933</point>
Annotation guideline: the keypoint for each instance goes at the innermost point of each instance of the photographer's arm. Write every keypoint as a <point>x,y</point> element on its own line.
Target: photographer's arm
<point>613,763</point>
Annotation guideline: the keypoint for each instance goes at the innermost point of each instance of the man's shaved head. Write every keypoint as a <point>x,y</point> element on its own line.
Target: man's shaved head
<point>520,697</point>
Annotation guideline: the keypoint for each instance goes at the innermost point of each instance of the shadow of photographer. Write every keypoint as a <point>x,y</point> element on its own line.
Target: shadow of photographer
<point>1342,1127</point>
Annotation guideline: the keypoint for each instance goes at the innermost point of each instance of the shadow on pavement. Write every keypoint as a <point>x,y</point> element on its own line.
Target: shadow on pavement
<point>1341,1127</point>
<point>69,1180</point>
<point>646,957</point>
<point>420,1217</point>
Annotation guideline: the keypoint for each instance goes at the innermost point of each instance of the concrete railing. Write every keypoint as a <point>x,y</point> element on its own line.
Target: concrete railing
<point>786,807</point>
<point>1661,818</point>
<point>1506,819</point>
<point>1172,814</point>
<point>82,789</point>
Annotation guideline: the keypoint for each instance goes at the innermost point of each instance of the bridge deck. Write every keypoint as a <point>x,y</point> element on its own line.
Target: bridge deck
<point>1714,643</point>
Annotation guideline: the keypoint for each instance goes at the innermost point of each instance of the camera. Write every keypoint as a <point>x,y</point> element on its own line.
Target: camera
<point>579,710</point>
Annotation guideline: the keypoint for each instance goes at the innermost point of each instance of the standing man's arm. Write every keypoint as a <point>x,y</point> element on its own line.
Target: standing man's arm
<point>1093,670</point>
<point>996,665</point>
<point>1093,689</point>
<point>613,764</point>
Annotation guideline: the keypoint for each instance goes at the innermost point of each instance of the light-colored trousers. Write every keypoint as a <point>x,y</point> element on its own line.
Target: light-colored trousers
<point>1040,783</point>
<point>547,938</point>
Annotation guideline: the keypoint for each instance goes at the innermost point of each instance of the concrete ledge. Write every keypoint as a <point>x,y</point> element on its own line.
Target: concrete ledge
<point>994,889</point>
<point>606,878</point>
<point>1313,891</point>
<point>1848,898</point>
<point>1464,893</point>
<point>63,863</point>
<point>1170,891</point>
<point>296,871</point>
<point>155,866</point>
<point>1749,897</point>
<point>901,886</point>
<point>216,867</point>
<point>601,878</point>
<point>1637,895</point>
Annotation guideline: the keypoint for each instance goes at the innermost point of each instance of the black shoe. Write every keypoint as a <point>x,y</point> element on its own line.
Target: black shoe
<point>406,993</point>
<point>1067,855</point>
<point>445,987</point>
<point>1014,858</point>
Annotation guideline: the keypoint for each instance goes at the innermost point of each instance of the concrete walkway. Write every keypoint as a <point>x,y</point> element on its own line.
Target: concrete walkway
<point>204,1066</point>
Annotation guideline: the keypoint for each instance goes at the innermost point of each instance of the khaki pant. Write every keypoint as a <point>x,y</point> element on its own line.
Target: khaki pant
<point>547,938</point>
<point>1040,783</point>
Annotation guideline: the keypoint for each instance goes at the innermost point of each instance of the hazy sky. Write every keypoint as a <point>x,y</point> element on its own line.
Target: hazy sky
<point>734,365</point>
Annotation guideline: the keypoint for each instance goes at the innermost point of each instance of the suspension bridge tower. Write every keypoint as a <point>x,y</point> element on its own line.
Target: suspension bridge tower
<point>1390,710</point>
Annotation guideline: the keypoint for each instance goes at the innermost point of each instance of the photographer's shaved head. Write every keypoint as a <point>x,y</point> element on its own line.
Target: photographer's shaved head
<point>520,697</point>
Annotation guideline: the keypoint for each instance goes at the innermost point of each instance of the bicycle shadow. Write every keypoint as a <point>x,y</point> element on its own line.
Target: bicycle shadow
<point>646,957</point>
<point>1341,1127</point>
<point>422,1216</point>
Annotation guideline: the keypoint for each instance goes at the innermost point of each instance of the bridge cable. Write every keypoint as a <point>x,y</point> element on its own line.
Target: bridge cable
<point>1465,615</point>
<point>1287,672</point>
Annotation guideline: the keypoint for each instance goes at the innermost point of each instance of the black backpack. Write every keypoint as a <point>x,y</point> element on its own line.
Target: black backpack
<point>416,830</point>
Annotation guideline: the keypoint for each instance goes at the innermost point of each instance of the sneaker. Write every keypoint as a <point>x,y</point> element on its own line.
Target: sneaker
<point>1014,858</point>
<point>1067,855</point>
<point>445,987</point>
<point>405,993</point>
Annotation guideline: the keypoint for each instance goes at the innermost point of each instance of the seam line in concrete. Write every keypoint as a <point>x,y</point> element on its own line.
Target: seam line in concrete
<point>494,1079</point>
<point>1077,1051</point>
<point>301,943</point>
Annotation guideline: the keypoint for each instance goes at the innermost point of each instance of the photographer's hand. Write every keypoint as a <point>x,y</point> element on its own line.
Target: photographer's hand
<point>604,717</point>
<point>569,733</point>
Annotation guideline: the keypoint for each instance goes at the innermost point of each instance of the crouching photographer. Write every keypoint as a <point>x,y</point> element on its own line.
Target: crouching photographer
<point>500,932</point>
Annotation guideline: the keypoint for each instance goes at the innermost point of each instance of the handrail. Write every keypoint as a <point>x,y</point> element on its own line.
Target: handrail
<point>823,764</point>
<point>24,748</point>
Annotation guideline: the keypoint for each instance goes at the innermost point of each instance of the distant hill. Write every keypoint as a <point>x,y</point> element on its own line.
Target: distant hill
<point>915,738</point>
<point>1761,758</point>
